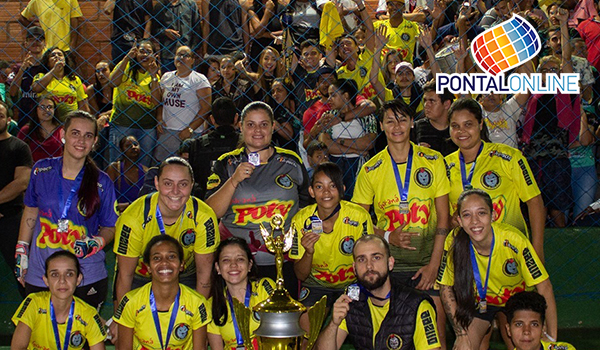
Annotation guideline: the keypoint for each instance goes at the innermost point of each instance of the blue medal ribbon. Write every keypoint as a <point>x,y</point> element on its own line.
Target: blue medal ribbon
<point>72,193</point>
<point>161,223</point>
<point>466,181</point>
<point>482,289</point>
<point>55,326</point>
<point>238,334</point>
<point>316,214</point>
<point>403,190</point>
<point>157,321</point>
<point>370,295</point>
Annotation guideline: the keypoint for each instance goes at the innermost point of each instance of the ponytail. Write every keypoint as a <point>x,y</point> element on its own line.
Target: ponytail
<point>463,279</point>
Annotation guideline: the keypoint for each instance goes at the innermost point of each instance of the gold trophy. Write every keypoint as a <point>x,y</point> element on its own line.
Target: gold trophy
<point>279,327</point>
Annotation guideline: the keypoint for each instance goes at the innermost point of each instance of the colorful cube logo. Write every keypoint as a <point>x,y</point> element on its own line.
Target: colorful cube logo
<point>506,46</point>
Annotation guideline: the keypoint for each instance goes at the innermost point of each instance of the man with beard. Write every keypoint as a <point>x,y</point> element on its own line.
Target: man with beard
<point>387,314</point>
<point>16,161</point>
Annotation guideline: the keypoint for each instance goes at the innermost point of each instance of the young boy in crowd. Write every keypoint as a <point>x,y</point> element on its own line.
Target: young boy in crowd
<point>317,154</point>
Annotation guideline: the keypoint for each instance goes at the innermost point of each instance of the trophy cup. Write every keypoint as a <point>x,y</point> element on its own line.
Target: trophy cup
<point>279,327</point>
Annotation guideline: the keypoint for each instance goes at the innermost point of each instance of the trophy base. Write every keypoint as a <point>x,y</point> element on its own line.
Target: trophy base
<point>292,343</point>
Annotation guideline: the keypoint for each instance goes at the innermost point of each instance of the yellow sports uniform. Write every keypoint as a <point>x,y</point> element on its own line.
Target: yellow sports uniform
<point>504,174</point>
<point>34,311</point>
<point>515,265</point>
<point>55,19</point>
<point>196,230</point>
<point>376,186</point>
<point>546,345</point>
<point>133,105</point>
<point>332,260</point>
<point>421,338</point>
<point>134,312</point>
<point>360,74</point>
<point>66,93</point>
<point>389,96</point>
<point>261,290</point>
<point>402,38</point>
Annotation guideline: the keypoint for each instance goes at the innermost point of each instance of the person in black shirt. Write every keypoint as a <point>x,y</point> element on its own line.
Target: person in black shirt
<point>433,130</point>
<point>130,22</point>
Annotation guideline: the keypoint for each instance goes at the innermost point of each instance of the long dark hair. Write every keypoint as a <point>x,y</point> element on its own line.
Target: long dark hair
<point>217,289</point>
<point>88,191</point>
<point>463,269</point>
<point>471,106</point>
<point>134,65</point>
<point>35,130</point>
<point>98,96</point>
<point>69,72</point>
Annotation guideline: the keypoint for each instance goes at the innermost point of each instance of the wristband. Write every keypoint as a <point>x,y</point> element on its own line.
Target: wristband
<point>386,236</point>
<point>549,337</point>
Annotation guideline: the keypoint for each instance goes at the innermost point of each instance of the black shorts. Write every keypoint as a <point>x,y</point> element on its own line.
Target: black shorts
<point>405,277</point>
<point>492,310</point>
<point>93,293</point>
<point>310,295</point>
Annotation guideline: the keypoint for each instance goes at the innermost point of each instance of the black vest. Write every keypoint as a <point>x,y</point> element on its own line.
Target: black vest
<point>398,326</point>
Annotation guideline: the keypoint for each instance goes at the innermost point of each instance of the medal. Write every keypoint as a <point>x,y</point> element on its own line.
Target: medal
<point>316,225</point>
<point>403,205</point>
<point>466,180</point>
<point>254,158</point>
<point>353,292</point>
<point>403,189</point>
<point>482,306</point>
<point>63,226</point>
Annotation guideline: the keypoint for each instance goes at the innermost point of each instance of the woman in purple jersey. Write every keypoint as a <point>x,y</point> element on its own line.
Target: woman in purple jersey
<point>69,205</point>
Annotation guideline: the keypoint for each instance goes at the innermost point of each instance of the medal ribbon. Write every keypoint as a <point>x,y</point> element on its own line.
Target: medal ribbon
<point>481,289</point>
<point>403,190</point>
<point>55,326</point>
<point>466,181</point>
<point>157,321</point>
<point>238,334</point>
<point>72,193</point>
<point>339,206</point>
<point>161,223</point>
<point>370,295</point>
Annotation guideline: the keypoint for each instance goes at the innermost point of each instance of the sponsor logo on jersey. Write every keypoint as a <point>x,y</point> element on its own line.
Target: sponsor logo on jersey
<point>49,237</point>
<point>418,213</point>
<point>532,266</point>
<point>304,292</point>
<point>42,311</point>
<point>25,306</point>
<point>181,331</point>
<point>373,167</point>
<point>338,276</point>
<point>510,268</point>
<point>393,342</point>
<point>203,313</point>
<point>187,237</point>
<point>490,180</point>
<point>140,98</point>
<point>429,328</point>
<point>311,94</point>
<point>427,156</point>
<point>78,318</point>
<point>256,214</point>
<point>209,225</point>
<point>121,306</point>
<point>557,347</point>
<point>267,286</point>
<point>41,170</point>
<point>76,339</point>
<point>526,174</point>
<point>346,245</point>
<point>284,181</point>
<point>213,181</point>
<point>100,324</point>
<point>500,155</point>
<point>350,222</point>
<point>512,247</point>
<point>442,266</point>
<point>186,311</point>
<point>124,240</point>
<point>137,312</point>
<point>498,204</point>
<point>286,160</point>
<point>423,177</point>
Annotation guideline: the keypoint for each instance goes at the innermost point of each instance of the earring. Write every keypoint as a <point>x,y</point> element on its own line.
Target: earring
<point>63,140</point>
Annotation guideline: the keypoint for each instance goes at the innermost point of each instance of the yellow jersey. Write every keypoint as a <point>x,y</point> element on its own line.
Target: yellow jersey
<point>360,75</point>
<point>134,312</point>
<point>34,311</point>
<point>376,186</point>
<point>504,174</point>
<point>66,93</point>
<point>515,265</point>
<point>332,260</point>
<point>196,229</point>
<point>261,290</point>
<point>546,345</point>
<point>425,325</point>
<point>402,38</point>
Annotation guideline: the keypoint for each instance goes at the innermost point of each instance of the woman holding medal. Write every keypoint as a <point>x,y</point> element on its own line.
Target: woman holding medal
<point>470,252</point>
<point>325,236</point>
<point>234,275</point>
<point>69,205</point>
<point>500,170</point>
<point>163,314</point>
<point>67,322</point>
<point>407,186</point>
<point>254,182</point>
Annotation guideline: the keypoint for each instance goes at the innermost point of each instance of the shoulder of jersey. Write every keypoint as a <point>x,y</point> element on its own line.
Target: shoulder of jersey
<point>309,208</point>
<point>234,153</point>
<point>502,151</point>
<point>44,163</point>
<point>354,208</point>
<point>265,283</point>
<point>83,305</point>
<point>289,154</point>
<point>376,161</point>
<point>507,230</point>
<point>427,153</point>
<point>191,293</point>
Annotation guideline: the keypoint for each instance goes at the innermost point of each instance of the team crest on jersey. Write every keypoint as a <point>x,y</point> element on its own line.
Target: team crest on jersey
<point>76,339</point>
<point>510,267</point>
<point>490,180</point>
<point>393,342</point>
<point>304,292</point>
<point>181,331</point>
<point>256,316</point>
<point>284,181</point>
<point>405,37</point>
<point>423,177</point>
<point>363,72</point>
<point>373,167</point>
<point>346,245</point>
<point>188,237</point>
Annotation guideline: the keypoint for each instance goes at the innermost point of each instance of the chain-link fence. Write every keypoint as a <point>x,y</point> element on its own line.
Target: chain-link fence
<point>151,72</point>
